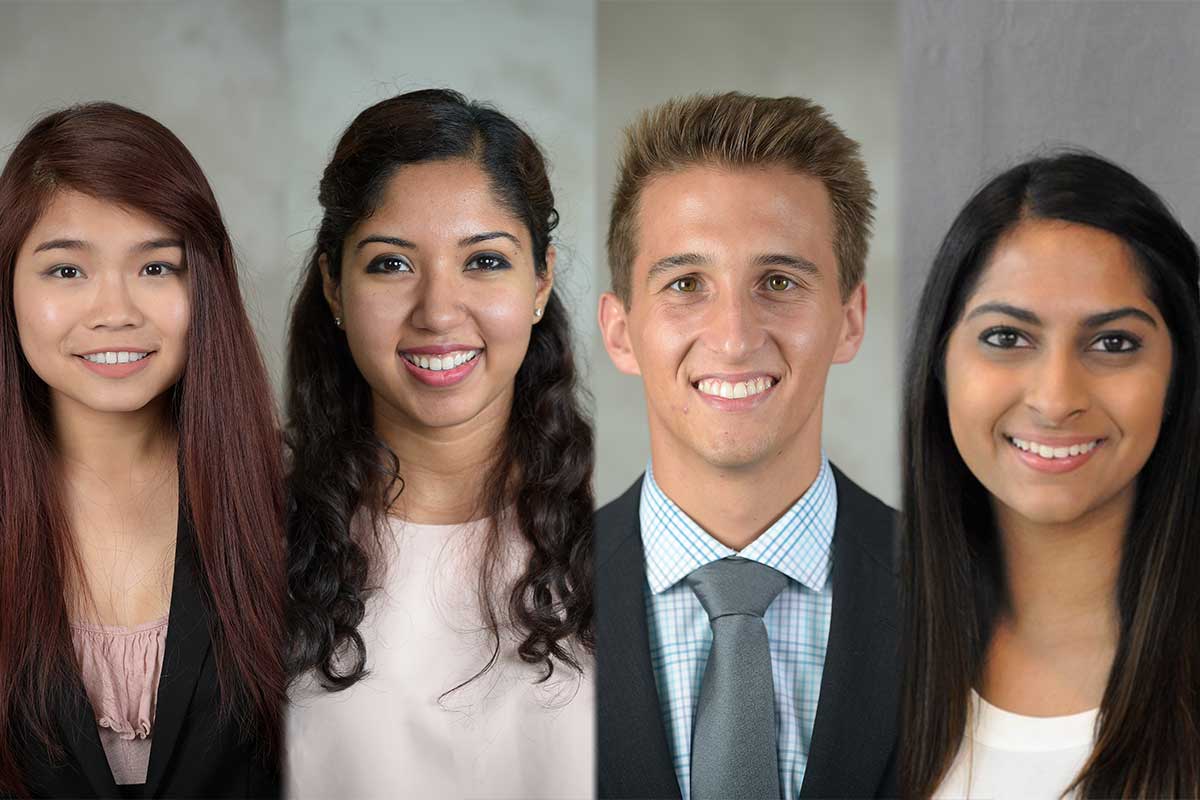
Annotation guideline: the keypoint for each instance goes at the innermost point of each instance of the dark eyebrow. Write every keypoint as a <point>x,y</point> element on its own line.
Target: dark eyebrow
<point>676,261</point>
<point>785,260</point>
<point>1096,320</point>
<point>62,244</point>
<point>157,244</point>
<point>1004,308</point>
<point>483,237</point>
<point>392,240</point>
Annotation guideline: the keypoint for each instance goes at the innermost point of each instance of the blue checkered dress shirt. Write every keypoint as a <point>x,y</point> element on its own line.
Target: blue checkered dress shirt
<point>798,544</point>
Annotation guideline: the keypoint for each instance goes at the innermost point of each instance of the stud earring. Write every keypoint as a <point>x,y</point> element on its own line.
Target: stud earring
<point>337,321</point>
<point>537,312</point>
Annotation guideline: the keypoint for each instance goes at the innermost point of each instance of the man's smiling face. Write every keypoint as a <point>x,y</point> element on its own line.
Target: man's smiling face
<point>735,313</point>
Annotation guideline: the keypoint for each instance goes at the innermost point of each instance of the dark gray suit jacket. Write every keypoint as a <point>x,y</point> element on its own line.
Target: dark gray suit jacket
<point>194,751</point>
<point>854,737</point>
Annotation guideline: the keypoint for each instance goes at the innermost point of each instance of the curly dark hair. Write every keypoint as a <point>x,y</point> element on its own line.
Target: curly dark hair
<point>340,467</point>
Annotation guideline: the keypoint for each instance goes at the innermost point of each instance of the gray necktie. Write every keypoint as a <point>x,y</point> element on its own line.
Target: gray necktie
<point>733,738</point>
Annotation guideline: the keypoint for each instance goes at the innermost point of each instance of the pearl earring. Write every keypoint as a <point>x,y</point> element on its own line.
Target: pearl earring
<point>537,312</point>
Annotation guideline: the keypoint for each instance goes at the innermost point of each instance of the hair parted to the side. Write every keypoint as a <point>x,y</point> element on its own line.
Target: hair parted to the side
<point>736,130</point>
<point>229,446</point>
<point>340,468</point>
<point>1148,738</point>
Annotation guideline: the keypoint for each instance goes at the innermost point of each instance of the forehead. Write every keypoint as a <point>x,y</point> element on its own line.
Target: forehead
<point>449,199</point>
<point>735,214</point>
<point>101,223</point>
<point>1061,268</point>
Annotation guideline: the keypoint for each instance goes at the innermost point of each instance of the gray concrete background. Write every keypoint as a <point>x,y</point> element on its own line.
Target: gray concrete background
<point>843,56</point>
<point>212,72</point>
<point>942,94</point>
<point>987,84</point>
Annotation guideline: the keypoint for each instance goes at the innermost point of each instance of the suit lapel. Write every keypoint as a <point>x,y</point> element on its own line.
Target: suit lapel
<point>855,726</point>
<point>634,759</point>
<point>81,740</point>
<point>186,649</point>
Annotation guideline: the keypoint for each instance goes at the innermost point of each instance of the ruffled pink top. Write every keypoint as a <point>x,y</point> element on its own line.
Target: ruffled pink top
<point>120,668</point>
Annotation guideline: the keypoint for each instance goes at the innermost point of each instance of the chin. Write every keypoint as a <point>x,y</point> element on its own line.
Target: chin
<point>735,454</point>
<point>115,405</point>
<point>1050,510</point>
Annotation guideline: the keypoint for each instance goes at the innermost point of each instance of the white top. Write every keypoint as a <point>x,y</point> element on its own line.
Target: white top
<point>1012,756</point>
<point>390,736</point>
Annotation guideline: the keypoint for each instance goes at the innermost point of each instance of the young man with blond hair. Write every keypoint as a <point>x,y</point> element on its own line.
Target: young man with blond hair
<point>745,588</point>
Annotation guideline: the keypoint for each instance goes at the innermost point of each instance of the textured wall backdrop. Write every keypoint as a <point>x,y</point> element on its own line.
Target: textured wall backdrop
<point>987,84</point>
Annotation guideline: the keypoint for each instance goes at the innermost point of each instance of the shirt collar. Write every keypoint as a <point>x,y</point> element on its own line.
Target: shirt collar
<point>798,544</point>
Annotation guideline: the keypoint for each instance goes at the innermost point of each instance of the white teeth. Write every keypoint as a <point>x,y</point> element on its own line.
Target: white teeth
<point>1045,451</point>
<point>443,362</point>
<point>734,391</point>
<point>115,357</point>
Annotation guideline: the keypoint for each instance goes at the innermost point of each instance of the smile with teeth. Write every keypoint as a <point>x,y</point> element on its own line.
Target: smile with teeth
<point>1048,452</point>
<point>734,391</point>
<point>443,362</point>
<point>115,357</point>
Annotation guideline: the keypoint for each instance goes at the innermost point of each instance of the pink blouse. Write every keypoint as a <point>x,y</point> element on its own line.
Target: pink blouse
<point>120,668</point>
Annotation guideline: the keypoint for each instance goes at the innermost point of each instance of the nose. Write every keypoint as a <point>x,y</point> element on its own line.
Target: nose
<point>1058,387</point>
<point>732,327</point>
<point>439,304</point>
<point>113,305</point>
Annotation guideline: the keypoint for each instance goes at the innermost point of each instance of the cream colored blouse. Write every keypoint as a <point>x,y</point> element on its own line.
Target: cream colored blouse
<point>401,732</point>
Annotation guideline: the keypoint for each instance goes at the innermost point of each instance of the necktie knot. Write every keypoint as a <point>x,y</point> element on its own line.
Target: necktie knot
<point>736,586</point>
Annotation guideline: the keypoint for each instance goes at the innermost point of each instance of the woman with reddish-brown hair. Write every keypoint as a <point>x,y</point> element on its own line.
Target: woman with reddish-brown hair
<point>141,546</point>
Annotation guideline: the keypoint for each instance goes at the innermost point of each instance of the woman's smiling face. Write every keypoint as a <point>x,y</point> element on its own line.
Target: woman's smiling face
<point>102,303</point>
<point>1057,373</point>
<point>438,294</point>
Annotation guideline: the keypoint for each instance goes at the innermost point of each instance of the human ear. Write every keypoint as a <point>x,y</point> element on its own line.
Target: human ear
<point>614,328</point>
<point>545,283</point>
<point>854,320</point>
<point>331,289</point>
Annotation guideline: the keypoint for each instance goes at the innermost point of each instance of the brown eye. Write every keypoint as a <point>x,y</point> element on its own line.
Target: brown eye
<point>686,284</point>
<point>157,269</point>
<point>1003,339</point>
<point>1116,343</point>
<point>780,283</point>
<point>65,271</point>
<point>388,265</point>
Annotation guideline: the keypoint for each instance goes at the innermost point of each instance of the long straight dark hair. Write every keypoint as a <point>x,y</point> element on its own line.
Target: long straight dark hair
<point>340,467</point>
<point>229,446</point>
<point>1148,735</point>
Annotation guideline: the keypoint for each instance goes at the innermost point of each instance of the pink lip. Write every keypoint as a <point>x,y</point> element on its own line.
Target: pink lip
<point>733,377</point>
<point>439,349</point>
<point>116,370</point>
<point>1056,466</point>
<point>446,377</point>
<point>735,404</point>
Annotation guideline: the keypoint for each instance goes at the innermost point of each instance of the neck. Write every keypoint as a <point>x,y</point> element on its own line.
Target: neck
<point>120,453</point>
<point>444,468</point>
<point>1062,578</point>
<point>736,504</point>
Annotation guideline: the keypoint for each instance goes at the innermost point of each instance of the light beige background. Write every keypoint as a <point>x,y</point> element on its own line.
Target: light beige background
<point>843,56</point>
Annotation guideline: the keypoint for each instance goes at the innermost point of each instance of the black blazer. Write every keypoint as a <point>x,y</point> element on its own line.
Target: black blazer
<point>193,752</point>
<point>854,736</point>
